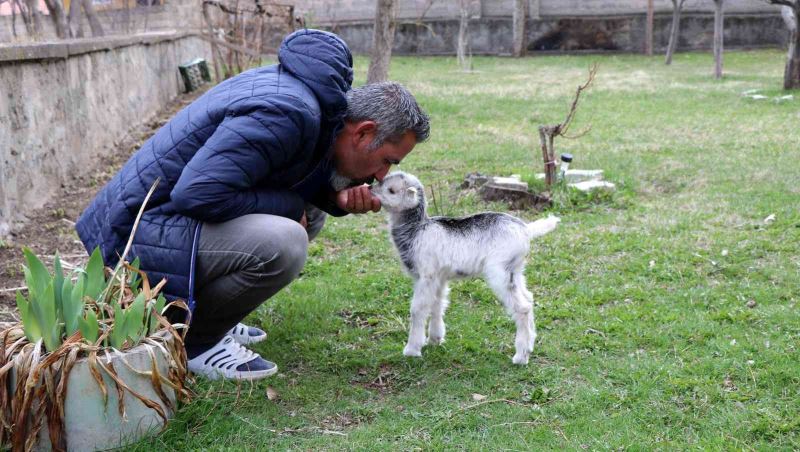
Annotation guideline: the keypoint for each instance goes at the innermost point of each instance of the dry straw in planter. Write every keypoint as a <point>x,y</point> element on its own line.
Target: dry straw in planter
<point>95,314</point>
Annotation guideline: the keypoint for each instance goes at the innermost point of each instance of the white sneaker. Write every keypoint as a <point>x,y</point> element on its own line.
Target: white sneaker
<point>247,335</point>
<point>225,359</point>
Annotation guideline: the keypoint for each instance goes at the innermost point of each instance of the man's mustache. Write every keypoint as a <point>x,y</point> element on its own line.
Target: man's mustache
<point>358,182</point>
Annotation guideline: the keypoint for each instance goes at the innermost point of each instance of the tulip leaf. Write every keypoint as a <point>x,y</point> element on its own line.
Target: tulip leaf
<point>134,319</point>
<point>118,332</point>
<point>29,323</point>
<point>95,275</point>
<point>36,275</point>
<point>89,326</point>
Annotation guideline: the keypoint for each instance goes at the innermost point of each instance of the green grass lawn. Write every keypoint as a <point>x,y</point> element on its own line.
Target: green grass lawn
<point>646,339</point>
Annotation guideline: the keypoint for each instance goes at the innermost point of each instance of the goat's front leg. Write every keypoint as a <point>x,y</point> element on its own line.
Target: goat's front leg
<point>436,328</point>
<point>425,290</point>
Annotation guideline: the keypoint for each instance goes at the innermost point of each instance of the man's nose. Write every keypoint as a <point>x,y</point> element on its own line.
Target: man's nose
<point>382,173</point>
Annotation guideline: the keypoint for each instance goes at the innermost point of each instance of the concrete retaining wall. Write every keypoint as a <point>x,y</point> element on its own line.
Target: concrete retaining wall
<point>64,103</point>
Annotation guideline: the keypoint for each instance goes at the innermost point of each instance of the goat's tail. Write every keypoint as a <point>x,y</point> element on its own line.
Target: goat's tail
<point>541,227</point>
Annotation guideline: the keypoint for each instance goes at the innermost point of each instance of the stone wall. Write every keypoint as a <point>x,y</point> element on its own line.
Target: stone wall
<point>566,25</point>
<point>63,104</point>
<point>492,36</point>
<point>327,12</point>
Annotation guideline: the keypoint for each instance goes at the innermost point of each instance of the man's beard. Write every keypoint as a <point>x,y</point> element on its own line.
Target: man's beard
<point>339,182</point>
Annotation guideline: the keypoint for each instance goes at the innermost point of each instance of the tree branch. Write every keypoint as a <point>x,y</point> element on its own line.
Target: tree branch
<point>790,3</point>
<point>564,126</point>
<point>548,133</point>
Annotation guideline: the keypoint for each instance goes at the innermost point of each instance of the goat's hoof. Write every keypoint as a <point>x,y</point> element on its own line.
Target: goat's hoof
<point>520,359</point>
<point>410,351</point>
<point>435,340</point>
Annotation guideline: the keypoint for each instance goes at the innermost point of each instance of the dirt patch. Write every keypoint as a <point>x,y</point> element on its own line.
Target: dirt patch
<point>383,382</point>
<point>51,229</point>
<point>356,319</point>
<point>343,421</point>
<point>516,199</point>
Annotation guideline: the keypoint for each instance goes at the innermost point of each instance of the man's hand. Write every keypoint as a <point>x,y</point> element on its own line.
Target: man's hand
<point>357,200</point>
<point>304,221</point>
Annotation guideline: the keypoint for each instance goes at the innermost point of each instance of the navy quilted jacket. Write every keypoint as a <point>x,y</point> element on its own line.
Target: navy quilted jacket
<point>256,143</point>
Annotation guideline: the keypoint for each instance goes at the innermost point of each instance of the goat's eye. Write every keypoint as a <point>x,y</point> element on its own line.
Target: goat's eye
<point>391,190</point>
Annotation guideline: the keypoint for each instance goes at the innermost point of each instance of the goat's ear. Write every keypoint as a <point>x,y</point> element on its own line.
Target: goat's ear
<point>411,192</point>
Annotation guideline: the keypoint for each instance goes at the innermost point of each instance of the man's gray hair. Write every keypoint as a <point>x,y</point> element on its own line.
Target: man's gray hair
<point>392,107</point>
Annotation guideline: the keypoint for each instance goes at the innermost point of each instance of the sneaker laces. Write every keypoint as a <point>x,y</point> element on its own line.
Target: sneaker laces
<point>236,355</point>
<point>240,330</point>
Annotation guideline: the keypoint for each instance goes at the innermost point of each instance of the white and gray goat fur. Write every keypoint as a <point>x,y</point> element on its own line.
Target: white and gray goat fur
<point>435,250</point>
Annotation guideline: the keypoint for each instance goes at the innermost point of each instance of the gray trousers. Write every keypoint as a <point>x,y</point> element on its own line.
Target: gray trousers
<point>243,262</point>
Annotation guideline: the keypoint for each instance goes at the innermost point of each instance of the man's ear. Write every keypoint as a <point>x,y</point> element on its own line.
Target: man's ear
<point>364,134</point>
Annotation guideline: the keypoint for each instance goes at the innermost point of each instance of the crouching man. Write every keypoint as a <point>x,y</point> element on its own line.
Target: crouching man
<point>247,174</point>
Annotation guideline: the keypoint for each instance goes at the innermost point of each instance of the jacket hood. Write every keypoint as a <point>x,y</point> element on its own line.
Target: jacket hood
<point>324,63</point>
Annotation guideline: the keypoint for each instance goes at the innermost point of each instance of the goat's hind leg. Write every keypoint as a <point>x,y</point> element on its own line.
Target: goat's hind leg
<point>525,320</point>
<point>425,292</point>
<point>508,284</point>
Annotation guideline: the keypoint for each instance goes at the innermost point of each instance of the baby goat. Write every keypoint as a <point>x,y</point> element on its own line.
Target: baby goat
<point>438,249</point>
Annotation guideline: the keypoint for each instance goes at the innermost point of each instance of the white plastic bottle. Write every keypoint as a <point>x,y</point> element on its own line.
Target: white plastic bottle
<point>566,159</point>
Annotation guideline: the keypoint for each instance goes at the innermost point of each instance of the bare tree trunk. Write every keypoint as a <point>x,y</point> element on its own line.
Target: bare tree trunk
<point>520,17</point>
<point>127,16</point>
<point>260,37</point>
<point>675,31</point>
<point>26,16</point>
<point>235,38</point>
<point>463,36</point>
<point>546,134</point>
<point>59,17</point>
<point>425,8</point>
<point>648,30</point>
<point>56,9</point>
<point>382,41</point>
<point>94,22</point>
<point>216,54</point>
<point>75,22</point>
<point>35,18</point>
<point>147,14</point>
<point>719,28</point>
<point>244,60</point>
<point>535,7</point>
<point>13,18</point>
<point>791,76</point>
